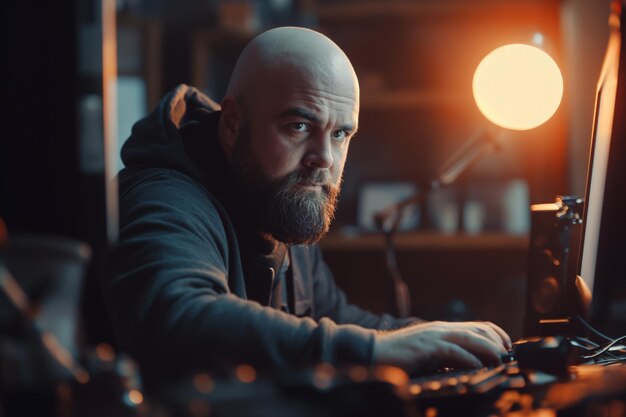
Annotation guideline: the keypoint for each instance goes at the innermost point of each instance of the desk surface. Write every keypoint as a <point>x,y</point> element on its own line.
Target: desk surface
<point>589,390</point>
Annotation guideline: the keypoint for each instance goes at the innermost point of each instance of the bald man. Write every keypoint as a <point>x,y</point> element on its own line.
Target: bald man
<point>220,211</point>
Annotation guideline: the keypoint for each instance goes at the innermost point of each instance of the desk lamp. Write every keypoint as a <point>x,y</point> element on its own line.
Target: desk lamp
<point>516,87</point>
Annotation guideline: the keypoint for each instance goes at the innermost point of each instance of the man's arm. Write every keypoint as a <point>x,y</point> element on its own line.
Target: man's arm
<point>413,344</point>
<point>168,289</point>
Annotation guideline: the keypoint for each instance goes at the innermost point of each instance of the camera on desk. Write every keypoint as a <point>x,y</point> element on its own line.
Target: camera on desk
<point>553,297</point>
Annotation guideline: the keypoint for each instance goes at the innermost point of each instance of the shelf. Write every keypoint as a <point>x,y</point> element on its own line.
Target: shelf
<point>426,241</point>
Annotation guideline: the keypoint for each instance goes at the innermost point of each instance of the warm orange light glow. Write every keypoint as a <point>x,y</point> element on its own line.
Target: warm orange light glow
<point>415,389</point>
<point>245,373</point>
<point>391,375</point>
<point>323,375</point>
<point>105,352</point>
<point>82,376</point>
<point>135,397</point>
<point>518,86</point>
<point>431,412</point>
<point>358,373</point>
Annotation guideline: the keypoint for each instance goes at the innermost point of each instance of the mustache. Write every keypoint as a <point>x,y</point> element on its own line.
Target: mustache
<point>311,177</point>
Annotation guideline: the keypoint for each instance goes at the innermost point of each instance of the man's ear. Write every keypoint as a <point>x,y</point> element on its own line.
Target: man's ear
<point>230,123</point>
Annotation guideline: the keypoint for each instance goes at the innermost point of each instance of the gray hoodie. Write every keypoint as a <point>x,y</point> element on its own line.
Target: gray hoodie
<point>190,283</point>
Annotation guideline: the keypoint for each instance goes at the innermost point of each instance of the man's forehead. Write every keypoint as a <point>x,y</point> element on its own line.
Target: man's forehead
<point>307,96</point>
<point>317,81</point>
<point>319,97</point>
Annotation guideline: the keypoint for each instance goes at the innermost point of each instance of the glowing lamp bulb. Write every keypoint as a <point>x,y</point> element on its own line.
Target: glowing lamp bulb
<point>518,86</point>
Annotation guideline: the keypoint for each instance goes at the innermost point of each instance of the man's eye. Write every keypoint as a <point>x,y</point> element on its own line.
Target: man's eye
<point>340,135</point>
<point>300,127</point>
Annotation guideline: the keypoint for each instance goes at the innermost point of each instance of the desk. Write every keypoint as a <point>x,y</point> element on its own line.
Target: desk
<point>592,386</point>
<point>589,391</point>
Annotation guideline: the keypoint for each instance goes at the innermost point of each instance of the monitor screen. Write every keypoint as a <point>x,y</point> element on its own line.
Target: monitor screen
<point>604,227</point>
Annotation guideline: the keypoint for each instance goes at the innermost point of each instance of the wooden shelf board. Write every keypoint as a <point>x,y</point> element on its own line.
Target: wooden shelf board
<point>426,241</point>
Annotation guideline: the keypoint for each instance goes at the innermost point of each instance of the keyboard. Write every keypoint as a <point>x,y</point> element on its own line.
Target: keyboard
<point>467,382</point>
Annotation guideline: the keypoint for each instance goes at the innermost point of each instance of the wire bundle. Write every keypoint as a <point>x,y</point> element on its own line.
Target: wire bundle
<point>608,351</point>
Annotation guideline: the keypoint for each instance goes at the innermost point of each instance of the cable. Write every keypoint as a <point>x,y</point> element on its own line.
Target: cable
<point>597,349</point>
<point>583,343</point>
<point>591,347</point>
<point>610,360</point>
<point>605,348</point>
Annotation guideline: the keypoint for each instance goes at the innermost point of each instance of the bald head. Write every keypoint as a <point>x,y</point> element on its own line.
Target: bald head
<point>291,109</point>
<point>288,56</point>
<point>284,70</point>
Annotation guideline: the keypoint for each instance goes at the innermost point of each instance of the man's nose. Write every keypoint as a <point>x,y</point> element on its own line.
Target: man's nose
<point>319,152</point>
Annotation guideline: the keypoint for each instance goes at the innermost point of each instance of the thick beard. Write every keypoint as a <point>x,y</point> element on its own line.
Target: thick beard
<point>281,208</point>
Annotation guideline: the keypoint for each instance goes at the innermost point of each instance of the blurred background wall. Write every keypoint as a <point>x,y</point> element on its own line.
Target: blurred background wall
<point>464,251</point>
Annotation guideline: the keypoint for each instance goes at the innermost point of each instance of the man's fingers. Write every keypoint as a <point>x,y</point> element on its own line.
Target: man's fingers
<point>490,332</point>
<point>479,345</point>
<point>454,356</point>
<point>506,339</point>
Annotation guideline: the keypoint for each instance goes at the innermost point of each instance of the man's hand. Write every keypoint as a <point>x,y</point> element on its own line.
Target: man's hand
<point>434,345</point>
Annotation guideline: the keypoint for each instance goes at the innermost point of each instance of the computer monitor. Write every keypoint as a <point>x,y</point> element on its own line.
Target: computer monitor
<point>602,263</point>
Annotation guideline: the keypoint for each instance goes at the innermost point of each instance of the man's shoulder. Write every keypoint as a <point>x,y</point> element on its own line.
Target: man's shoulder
<point>160,182</point>
<point>166,189</point>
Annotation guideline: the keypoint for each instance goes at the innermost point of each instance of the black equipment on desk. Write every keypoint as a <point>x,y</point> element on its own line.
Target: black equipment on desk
<point>553,296</point>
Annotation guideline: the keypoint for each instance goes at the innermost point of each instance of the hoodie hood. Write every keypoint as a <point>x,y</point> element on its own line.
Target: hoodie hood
<point>160,139</point>
<point>181,135</point>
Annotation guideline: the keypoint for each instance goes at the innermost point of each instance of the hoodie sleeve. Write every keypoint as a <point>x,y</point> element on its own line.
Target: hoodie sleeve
<point>331,302</point>
<point>167,286</point>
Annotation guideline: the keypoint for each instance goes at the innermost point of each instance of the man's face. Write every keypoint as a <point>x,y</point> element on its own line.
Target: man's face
<point>289,158</point>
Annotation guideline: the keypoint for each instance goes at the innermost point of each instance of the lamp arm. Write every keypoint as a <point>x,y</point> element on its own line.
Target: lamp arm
<point>481,143</point>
